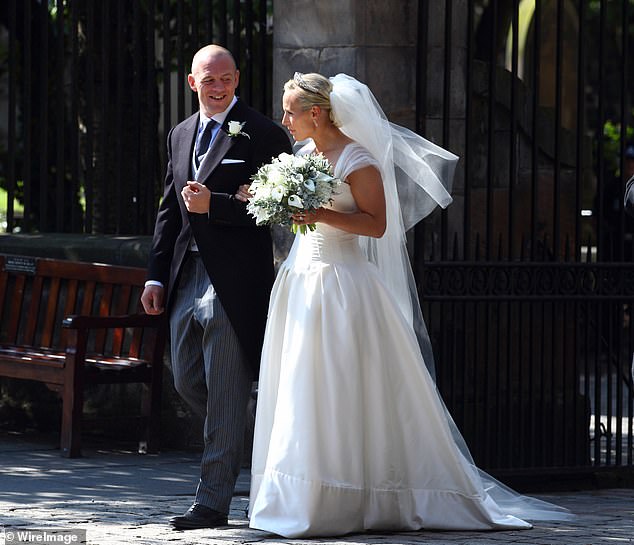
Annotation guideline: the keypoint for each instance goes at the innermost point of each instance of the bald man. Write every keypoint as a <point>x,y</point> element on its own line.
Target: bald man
<point>211,268</point>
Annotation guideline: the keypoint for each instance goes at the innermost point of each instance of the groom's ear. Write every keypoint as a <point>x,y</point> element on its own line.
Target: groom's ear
<point>192,82</point>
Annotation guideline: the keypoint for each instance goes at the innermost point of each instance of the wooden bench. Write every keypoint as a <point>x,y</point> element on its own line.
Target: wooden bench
<point>67,324</point>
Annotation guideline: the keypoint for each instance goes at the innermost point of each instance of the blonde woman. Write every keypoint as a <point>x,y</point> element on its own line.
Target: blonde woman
<point>351,433</point>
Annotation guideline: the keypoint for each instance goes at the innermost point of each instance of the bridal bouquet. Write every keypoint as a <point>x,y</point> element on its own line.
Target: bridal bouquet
<point>290,184</point>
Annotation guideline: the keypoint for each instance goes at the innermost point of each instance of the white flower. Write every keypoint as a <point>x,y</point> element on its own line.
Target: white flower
<point>276,177</point>
<point>263,191</point>
<point>235,129</point>
<point>277,193</point>
<point>321,177</point>
<point>261,216</point>
<point>310,185</point>
<point>299,162</point>
<point>295,201</point>
<point>286,158</point>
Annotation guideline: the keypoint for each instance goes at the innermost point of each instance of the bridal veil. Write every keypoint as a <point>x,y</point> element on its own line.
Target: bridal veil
<point>417,177</point>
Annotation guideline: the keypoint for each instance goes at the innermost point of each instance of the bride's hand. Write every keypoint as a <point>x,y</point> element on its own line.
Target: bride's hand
<point>307,217</point>
<point>243,193</point>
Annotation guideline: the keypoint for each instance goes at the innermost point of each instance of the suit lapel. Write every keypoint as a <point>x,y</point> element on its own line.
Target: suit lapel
<point>219,148</point>
<point>185,148</point>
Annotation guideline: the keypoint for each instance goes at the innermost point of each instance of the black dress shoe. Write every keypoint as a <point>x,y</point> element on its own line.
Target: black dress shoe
<point>199,516</point>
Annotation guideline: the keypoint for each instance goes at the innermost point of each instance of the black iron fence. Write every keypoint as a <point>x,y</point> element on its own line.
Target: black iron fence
<point>528,278</point>
<point>92,87</point>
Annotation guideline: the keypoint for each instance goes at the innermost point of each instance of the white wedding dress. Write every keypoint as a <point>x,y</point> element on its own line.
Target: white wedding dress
<point>350,432</point>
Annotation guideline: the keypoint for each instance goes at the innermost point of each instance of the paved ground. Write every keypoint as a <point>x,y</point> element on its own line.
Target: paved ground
<point>119,497</point>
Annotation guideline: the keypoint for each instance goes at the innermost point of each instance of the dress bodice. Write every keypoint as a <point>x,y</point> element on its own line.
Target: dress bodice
<point>330,244</point>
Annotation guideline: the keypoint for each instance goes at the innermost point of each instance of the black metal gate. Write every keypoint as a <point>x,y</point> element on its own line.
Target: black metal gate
<point>92,88</point>
<point>527,280</point>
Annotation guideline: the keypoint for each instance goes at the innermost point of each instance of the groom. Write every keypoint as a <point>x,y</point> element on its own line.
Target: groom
<point>212,269</point>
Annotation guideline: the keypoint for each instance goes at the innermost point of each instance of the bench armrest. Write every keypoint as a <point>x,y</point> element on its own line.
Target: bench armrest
<point>127,320</point>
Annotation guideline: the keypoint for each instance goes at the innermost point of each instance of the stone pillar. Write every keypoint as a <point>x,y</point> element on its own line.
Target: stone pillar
<point>372,40</point>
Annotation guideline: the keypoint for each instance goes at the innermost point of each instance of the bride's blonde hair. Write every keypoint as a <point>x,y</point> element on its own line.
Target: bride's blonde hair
<point>312,90</point>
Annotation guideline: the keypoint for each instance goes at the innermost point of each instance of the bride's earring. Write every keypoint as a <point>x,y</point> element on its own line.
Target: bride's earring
<point>315,123</point>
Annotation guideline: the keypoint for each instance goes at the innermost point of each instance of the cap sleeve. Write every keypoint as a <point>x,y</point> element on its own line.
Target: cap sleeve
<point>353,157</point>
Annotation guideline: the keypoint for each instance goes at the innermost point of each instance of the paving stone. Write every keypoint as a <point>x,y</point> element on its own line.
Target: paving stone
<point>120,497</point>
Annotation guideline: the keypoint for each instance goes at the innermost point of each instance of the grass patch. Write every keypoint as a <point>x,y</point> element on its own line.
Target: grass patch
<point>18,209</point>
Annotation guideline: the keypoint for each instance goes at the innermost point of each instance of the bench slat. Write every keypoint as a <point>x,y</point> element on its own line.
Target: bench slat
<point>136,343</point>
<point>51,312</point>
<point>15,309</point>
<point>105,304</point>
<point>69,307</point>
<point>3,284</point>
<point>48,374</point>
<point>96,272</point>
<point>89,294</point>
<point>28,356</point>
<point>121,306</point>
<point>34,310</point>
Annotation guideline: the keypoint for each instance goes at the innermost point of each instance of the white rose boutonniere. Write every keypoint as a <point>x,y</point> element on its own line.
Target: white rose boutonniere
<point>235,129</point>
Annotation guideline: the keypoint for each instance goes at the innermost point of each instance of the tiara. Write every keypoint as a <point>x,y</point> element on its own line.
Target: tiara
<point>299,80</point>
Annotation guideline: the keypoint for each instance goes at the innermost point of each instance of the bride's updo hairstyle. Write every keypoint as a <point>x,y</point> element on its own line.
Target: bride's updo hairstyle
<point>312,90</point>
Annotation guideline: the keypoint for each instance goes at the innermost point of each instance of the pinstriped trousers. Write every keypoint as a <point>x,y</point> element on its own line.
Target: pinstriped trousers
<point>212,375</point>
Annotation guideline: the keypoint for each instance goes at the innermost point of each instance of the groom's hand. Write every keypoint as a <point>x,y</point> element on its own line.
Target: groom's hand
<point>196,197</point>
<point>152,299</point>
<point>243,193</point>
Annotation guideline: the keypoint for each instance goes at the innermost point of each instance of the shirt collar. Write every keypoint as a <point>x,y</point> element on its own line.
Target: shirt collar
<point>220,116</point>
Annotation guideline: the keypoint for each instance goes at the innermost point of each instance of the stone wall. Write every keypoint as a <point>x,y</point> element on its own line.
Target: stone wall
<point>372,40</point>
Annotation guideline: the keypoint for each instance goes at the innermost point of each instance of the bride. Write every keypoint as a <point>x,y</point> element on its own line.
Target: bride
<point>351,433</point>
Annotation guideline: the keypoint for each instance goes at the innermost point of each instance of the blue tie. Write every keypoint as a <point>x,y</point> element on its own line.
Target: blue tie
<point>204,141</point>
